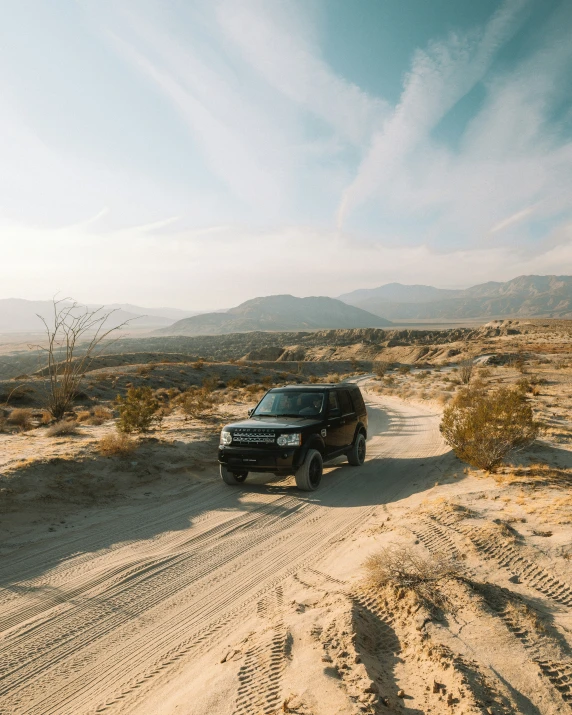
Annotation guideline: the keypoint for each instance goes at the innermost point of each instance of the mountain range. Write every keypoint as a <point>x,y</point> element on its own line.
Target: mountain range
<point>522,297</point>
<point>21,316</point>
<point>278,312</point>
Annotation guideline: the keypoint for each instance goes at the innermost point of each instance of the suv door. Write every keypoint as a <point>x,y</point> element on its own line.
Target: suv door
<point>349,418</point>
<point>334,428</point>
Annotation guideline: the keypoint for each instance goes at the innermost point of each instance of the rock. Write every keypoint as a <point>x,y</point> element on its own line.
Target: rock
<point>357,659</point>
<point>371,687</point>
<point>326,659</point>
<point>401,693</point>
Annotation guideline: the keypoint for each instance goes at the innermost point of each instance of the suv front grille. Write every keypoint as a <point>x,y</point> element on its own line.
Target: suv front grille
<point>253,436</point>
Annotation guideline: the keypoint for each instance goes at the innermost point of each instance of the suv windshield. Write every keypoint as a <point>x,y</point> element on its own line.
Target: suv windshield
<point>291,403</point>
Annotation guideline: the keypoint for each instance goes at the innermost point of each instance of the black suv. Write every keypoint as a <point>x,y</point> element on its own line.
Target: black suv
<point>294,430</point>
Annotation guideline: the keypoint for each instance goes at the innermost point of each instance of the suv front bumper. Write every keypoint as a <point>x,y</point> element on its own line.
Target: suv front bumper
<point>284,460</point>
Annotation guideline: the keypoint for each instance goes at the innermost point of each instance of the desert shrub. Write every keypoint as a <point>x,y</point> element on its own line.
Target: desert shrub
<point>333,377</point>
<point>210,383</point>
<point>199,364</point>
<point>485,372</point>
<point>483,428</point>
<point>312,379</point>
<point>21,417</point>
<point>380,367</point>
<point>466,370</point>
<point>143,370</point>
<point>83,416</point>
<point>196,403</point>
<point>116,444</point>
<point>236,382</point>
<point>405,569</point>
<point>268,381</point>
<point>137,410</point>
<point>62,428</point>
<point>404,369</point>
<point>423,375</point>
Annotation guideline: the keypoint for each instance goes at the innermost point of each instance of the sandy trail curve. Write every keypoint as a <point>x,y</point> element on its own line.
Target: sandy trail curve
<point>99,621</point>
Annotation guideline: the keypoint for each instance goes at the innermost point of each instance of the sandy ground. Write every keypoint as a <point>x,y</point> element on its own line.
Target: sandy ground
<point>201,599</point>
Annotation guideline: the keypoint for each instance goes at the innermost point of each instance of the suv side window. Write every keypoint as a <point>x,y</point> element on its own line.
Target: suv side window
<point>333,403</point>
<point>357,399</point>
<point>345,402</point>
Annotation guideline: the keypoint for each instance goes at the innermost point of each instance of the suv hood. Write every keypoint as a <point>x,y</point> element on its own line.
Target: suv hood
<point>277,423</point>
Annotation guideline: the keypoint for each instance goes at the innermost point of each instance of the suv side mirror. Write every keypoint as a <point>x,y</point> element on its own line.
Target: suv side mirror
<point>251,411</point>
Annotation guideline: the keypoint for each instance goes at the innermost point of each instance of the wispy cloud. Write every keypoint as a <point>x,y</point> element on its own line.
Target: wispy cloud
<point>274,43</point>
<point>439,78</point>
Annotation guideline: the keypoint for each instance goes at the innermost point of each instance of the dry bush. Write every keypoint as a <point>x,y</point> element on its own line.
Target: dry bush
<point>196,403</point>
<point>116,444</point>
<point>62,428</point>
<point>22,418</point>
<point>236,382</point>
<point>483,428</point>
<point>268,381</point>
<point>404,369</point>
<point>380,367</point>
<point>403,568</point>
<point>138,410</point>
<point>199,364</point>
<point>83,416</point>
<point>312,379</point>
<point>333,378</point>
<point>466,370</point>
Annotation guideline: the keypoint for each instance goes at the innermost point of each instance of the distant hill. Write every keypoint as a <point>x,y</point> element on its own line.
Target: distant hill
<point>523,297</point>
<point>278,312</point>
<point>21,316</point>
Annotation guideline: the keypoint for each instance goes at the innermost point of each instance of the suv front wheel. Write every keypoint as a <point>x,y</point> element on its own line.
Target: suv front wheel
<point>229,477</point>
<point>309,475</point>
<point>356,455</point>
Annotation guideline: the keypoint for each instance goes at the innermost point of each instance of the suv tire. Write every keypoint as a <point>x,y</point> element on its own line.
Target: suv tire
<point>233,478</point>
<point>356,455</point>
<point>309,475</point>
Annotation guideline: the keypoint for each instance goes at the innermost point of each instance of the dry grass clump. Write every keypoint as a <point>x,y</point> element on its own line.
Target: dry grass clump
<point>62,428</point>
<point>116,444</point>
<point>21,417</point>
<point>538,474</point>
<point>406,569</point>
<point>96,416</point>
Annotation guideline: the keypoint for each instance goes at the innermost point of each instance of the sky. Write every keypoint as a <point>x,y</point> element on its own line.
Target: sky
<point>198,153</point>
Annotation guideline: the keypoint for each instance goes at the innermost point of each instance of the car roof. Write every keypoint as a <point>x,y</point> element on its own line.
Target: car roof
<point>313,386</point>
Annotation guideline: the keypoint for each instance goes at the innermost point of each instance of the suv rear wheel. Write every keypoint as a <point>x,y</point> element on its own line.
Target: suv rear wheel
<point>356,455</point>
<point>232,477</point>
<point>309,475</point>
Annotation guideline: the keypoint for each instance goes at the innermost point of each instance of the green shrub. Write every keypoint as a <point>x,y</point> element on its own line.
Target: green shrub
<point>137,410</point>
<point>483,428</point>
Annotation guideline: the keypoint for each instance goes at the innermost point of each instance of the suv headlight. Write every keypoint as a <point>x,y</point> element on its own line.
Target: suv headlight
<point>293,439</point>
<point>225,437</point>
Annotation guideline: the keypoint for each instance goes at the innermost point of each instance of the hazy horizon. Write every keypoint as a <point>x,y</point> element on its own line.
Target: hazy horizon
<point>196,155</point>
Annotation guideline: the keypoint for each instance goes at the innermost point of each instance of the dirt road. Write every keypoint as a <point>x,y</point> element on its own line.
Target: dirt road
<point>122,613</point>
